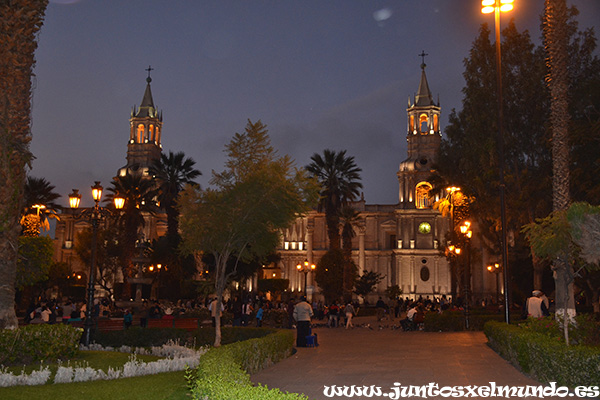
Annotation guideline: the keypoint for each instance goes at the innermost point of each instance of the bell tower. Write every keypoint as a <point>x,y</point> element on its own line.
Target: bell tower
<point>145,129</point>
<point>424,137</point>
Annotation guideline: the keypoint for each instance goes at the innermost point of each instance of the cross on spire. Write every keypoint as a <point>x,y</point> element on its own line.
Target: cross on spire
<point>149,69</point>
<point>422,55</point>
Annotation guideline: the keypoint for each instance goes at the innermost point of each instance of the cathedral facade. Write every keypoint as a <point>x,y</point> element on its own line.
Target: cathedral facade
<point>399,241</point>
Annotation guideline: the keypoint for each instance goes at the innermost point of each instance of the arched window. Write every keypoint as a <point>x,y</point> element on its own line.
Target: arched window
<point>151,133</point>
<point>140,134</point>
<point>411,127</point>
<point>423,123</point>
<point>422,195</point>
<point>436,123</point>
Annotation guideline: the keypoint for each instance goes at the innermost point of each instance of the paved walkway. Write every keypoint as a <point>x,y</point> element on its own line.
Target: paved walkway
<point>381,357</point>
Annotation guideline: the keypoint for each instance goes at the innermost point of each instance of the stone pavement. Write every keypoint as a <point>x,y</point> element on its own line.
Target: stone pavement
<point>381,357</point>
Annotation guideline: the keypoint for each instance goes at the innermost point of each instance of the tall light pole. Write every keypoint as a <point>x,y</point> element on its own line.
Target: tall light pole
<point>465,229</point>
<point>498,6</point>
<point>452,190</point>
<point>94,215</point>
<point>305,267</point>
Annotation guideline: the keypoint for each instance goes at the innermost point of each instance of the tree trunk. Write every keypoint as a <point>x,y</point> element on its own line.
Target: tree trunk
<point>19,23</point>
<point>556,43</point>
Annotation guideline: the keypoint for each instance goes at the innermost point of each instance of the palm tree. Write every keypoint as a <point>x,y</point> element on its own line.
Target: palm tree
<point>171,173</point>
<point>556,42</point>
<point>21,21</point>
<point>39,195</point>
<point>338,176</point>
<point>139,195</point>
<point>349,218</point>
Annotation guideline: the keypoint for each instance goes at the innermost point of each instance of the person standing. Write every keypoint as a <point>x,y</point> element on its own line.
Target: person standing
<point>259,316</point>
<point>535,306</point>
<point>302,314</point>
<point>349,311</point>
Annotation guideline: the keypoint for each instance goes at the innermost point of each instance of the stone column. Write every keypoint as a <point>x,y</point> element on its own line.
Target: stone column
<point>361,248</point>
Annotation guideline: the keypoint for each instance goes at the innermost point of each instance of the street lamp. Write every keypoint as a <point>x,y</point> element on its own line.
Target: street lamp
<point>465,229</point>
<point>452,191</point>
<point>305,267</point>
<point>498,6</point>
<point>495,269</point>
<point>94,215</point>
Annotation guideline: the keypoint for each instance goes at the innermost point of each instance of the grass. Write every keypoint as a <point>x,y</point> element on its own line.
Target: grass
<point>167,386</point>
<point>170,385</point>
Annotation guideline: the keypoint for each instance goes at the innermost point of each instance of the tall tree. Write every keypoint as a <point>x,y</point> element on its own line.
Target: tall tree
<point>20,22</point>
<point>171,173</point>
<point>339,177</point>
<point>38,206</point>
<point>556,42</point>
<point>469,157</point>
<point>258,194</point>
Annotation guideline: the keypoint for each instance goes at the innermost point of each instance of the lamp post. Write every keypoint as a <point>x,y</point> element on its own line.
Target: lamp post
<point>495,269</point>
<point>452,190</point>
<point>465,229</point>
<point>305,267</point>
<point>94,215</point>
<point>498,6</point>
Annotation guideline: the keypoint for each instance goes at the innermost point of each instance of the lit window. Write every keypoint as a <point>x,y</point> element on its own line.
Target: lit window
<point>422,195</point>
<point>300,245</point>
<point>286,245</point>
<point>423,122</point>
<point>140,134</point>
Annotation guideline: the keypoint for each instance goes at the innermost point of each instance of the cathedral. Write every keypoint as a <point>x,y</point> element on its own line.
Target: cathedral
<point>399,241</point>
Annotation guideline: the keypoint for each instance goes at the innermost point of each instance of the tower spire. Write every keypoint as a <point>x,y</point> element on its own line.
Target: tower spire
<point>423,97</point>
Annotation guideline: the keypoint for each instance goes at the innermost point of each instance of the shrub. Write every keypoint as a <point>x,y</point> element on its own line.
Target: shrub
<point>448,321</point>
<point>275,318</point>
<point>34,343</point>
<point>223,372</point>
<point>545,357</point>
<point>452,321</point>
<point>141,337</point>
<point>147,337</point>
<point>585,331</point>
<point>206,336</point>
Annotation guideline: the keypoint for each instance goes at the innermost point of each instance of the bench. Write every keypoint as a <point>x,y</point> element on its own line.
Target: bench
<point>110,324</point>
<point>160,323</point>
<point>189,324</point>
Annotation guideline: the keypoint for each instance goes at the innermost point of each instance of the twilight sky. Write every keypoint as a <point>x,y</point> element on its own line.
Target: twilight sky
<point>320,74</point>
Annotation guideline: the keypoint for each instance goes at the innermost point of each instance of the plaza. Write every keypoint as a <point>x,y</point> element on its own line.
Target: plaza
<point>381,357</point>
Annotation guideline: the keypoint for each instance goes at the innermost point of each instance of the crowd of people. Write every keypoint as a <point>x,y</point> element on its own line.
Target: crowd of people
<point>250,311</point>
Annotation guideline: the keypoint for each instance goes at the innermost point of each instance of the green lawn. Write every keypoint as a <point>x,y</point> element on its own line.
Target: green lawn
<point>169,385</point>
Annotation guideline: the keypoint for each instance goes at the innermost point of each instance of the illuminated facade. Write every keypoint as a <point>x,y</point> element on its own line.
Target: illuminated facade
<point>400,241</point>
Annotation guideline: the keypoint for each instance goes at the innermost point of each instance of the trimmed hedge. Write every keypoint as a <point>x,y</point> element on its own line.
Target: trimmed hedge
<point>147,337</point>
<point>547,358</point>
<point>223,373</point>
<point>453,321</point>
<point>34,343</point>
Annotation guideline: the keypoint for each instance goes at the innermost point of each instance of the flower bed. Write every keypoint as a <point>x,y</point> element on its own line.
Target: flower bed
<point>176,358</point>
